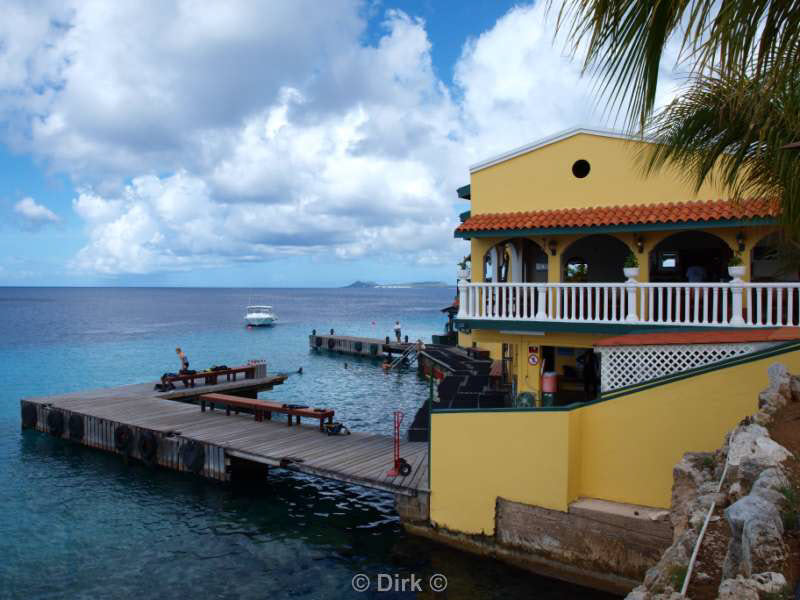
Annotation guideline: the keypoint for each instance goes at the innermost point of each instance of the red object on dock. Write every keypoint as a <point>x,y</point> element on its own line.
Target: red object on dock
<point>401,466</point>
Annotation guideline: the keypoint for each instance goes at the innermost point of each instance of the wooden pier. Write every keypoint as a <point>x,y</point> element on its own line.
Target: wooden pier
<point>359,346</point>
<point>169,430</point>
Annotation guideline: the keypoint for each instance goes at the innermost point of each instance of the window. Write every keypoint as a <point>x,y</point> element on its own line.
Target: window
<point>576,270</point>
<point>581,168</point>
<point>668,261</point>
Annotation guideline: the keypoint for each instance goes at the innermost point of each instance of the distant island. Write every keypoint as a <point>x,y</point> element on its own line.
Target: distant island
<point>415,284</point>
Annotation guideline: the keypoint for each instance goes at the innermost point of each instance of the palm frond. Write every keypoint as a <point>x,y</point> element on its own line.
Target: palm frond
<point>625,41</point>
<point>730,130</point>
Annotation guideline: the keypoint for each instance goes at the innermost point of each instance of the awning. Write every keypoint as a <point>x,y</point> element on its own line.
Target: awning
<point>735,336</point>
<point>559,220</point>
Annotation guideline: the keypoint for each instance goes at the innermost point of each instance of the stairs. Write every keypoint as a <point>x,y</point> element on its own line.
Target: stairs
<point>408,354</point>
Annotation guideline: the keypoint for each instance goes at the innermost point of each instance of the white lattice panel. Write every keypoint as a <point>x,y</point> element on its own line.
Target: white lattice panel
<point>622,366</point>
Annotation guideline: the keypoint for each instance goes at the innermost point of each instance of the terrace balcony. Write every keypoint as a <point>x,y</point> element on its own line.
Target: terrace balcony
<point>733,304</point>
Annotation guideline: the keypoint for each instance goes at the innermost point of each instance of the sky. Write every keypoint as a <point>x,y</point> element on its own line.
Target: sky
<point>292,143</point>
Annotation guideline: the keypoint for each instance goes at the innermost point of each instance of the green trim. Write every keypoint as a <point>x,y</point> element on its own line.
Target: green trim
<point>430,427</point>
<point>570,327</point>
<point>564,408</point>
<point>464,216</point>
<point>783,348</point>
<point>464,192</point>
<point>504,409</point>
<point>687,225</point>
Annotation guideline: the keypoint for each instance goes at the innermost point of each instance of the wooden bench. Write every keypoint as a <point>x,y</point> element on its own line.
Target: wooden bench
<point>210,377</point>
<point>261,408</point>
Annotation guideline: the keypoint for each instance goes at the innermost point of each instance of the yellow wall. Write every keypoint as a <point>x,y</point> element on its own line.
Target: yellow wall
<point>543,179</point>
<point>621,449</point>
<point>477,457</point>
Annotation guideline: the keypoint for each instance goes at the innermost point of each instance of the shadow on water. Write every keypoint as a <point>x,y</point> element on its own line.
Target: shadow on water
<point>295,536</point>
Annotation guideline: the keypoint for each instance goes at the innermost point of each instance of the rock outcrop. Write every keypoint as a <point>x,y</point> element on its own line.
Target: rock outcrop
<point>751,496</point>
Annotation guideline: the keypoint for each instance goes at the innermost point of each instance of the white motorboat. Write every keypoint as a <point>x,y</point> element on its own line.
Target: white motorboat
<point>260,315</point>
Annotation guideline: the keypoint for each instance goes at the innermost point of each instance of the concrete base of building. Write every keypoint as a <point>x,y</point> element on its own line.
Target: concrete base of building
<point>603,545</point>
<point>413,509</point>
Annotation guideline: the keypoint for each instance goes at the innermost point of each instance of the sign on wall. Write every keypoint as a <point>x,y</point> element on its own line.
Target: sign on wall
<point>533,355</point>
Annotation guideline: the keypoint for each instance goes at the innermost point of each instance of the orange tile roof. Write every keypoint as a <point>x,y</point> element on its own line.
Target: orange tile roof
<point>775,334</point>
<point>637,214</point>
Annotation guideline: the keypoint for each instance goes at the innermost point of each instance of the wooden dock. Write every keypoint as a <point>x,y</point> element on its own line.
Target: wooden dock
<point>360,346</point>
<point>224,443</point>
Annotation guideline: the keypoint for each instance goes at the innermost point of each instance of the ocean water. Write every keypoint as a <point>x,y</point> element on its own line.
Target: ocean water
<point>80,523</point>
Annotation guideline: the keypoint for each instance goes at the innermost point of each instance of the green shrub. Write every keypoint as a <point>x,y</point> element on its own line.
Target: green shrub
<point>631,261</point>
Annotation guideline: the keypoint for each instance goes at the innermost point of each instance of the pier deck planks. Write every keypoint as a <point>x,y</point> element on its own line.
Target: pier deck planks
<point>359,458</point>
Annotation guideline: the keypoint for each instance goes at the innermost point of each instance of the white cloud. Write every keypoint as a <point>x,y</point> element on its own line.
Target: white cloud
<point>519,85</point>
<point>34,214</point>
<point>204,134</point>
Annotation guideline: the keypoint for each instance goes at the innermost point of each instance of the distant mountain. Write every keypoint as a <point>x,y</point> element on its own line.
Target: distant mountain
<point>414,284</point>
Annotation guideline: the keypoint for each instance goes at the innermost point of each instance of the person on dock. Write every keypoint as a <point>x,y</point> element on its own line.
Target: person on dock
<point>397,330</point>
<point>184,360</point>
<point>590,379</point>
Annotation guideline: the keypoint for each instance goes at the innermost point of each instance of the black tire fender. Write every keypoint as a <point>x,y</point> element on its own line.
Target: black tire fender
<point>403,467</point>
<point>193,455</point>
<point>76,427</point>
<point>30,416</point>
<point>358,346</point>
<point>331,343</point>
<point>318,342</point>
<point>55,422</point>
<point>148,447</point>
<point>123,439</point>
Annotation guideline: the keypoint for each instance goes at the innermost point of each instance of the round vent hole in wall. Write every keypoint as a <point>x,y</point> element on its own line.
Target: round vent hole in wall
<point>581,168</point>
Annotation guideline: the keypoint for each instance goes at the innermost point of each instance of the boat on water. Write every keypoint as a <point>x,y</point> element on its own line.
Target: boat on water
<point>260,315</point>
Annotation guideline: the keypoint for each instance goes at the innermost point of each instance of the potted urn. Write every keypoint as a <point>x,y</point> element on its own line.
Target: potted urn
<point>463,271</point>
<point>631,266</point>
<point>735,267</point>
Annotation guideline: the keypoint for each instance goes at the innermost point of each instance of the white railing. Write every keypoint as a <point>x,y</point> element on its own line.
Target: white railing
<point>732,304</point>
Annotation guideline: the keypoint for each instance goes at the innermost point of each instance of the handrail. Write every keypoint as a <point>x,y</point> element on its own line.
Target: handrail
<point>702,534</point>
<point>735,303</point>
<point>406,353</point>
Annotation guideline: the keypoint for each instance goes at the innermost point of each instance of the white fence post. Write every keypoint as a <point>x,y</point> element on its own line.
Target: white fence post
<point>736,308</point>
<point>541,299</point>
<point>463,299</point>
<point>631,289</point>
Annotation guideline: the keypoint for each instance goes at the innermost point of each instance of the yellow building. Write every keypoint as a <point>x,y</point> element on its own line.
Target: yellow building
<point>611,373</point>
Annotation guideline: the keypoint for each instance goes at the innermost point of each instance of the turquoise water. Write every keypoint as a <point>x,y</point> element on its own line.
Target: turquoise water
<point>79,523</point>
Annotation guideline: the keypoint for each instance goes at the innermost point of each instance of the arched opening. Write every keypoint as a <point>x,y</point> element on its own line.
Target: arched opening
<point>594,259</point>
<point>690,256</point>
<point>516,261</point>
<point>534,262</point>
<point>496,264</point>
